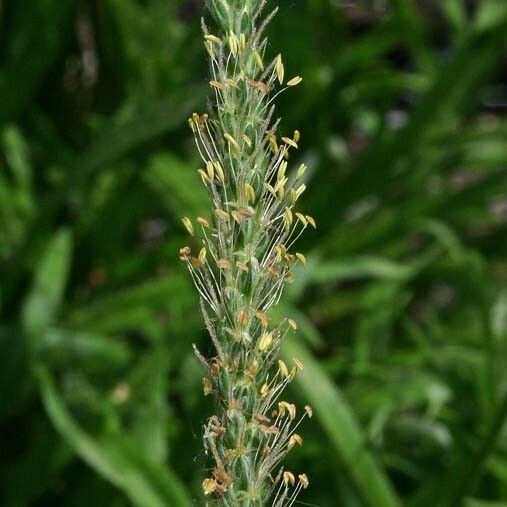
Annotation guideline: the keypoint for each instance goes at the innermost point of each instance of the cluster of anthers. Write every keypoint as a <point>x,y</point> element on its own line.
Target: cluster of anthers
<point>241,260</point>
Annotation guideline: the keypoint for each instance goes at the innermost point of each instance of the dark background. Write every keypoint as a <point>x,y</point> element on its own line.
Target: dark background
<point>402,309</point>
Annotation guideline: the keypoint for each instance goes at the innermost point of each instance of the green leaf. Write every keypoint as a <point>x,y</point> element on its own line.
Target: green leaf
<point>35,37</point>
<point>122,135</point>
<point>93,351</point>
<point>41,305</point>
<point>145,484</point>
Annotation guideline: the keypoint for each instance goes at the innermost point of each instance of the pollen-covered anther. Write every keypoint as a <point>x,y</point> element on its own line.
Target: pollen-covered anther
<point>203,222</point>
<point>212,38</point>
<point>252,370</point>
<point>185,253</point>
<point>202,256</point>
<point>207,387</point>
<point>223,264</point>
<point>273,143</point>
<point>309,411</point>
<point>300,190</point>
<point>301,171</point>
<point>295,439</point>
<point>292,323</point>
<point>279,69</point>
<point>301,258</point>
<point>223,215</point>
<point>204,176</point>
<point>302,219</point>
<point>209,486</point>
<point>233,43</point>
<point>233,144</point>
<point>269,430</point>
<point>286,407</point>
<point>265,342</point>
<point>282,369</point>
<point>303,479</point>
<point>311,221</point>
<point>249,193</point>
<point>259,85</point>
<point>217,85</point>
<point>231,82</point>
<point>290,142</point>
<point>210,169</point>
<point>299,364</point>
<point>242,214</point>
<point>247,140</point>
<point>262,418</point>
<point>187,223</point>
<point>264,319</point>
<point>295,81</point>
<point>288,478</point>
<point>242,42</point>
<point>258,60</point>
<point>242,318</point>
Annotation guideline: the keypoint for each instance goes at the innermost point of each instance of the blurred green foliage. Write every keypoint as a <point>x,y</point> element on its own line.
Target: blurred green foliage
<point>402,309</point>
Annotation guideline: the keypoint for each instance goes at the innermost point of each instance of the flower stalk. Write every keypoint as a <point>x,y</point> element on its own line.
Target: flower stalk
<point>241,260</point>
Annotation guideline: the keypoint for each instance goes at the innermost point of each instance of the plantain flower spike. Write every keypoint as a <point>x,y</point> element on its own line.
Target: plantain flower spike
<point>240,259</point>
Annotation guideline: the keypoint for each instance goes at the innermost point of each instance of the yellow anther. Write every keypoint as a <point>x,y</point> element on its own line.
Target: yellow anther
<point>231,82</point>
<point>300,190</point>
<point>279,69</point>
<point>250,192</point>
<point>233,43</point>
<point>273,144</point>
<point>311,221</point>
<point>223,215</point>
<point>295,81</point>
<point>263,318</point>
<point>258,60</point>
<point>223,264</point>
<point>209,486</point>
<point>210,170</point>
<point>301,258</point>
<point>219,170</point>
<point>303,479</point>
<point>207,387</point>
<point>213,38</point>
<point>242,318</point>
<point>288,478</point>
<point>290,142</point>
<point>298,363</point>
<point>202,256</point>
<point>247,140</point>
<point>203,222</point>
<point>188,225</point>
<point>232,142</point>
<point>217,85</point>
<point>302,219</point>
<point>204,176</point>
<point>295,440</point>
<point>282,369</point>
<point>265,342</point>
<point>301,171</point>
